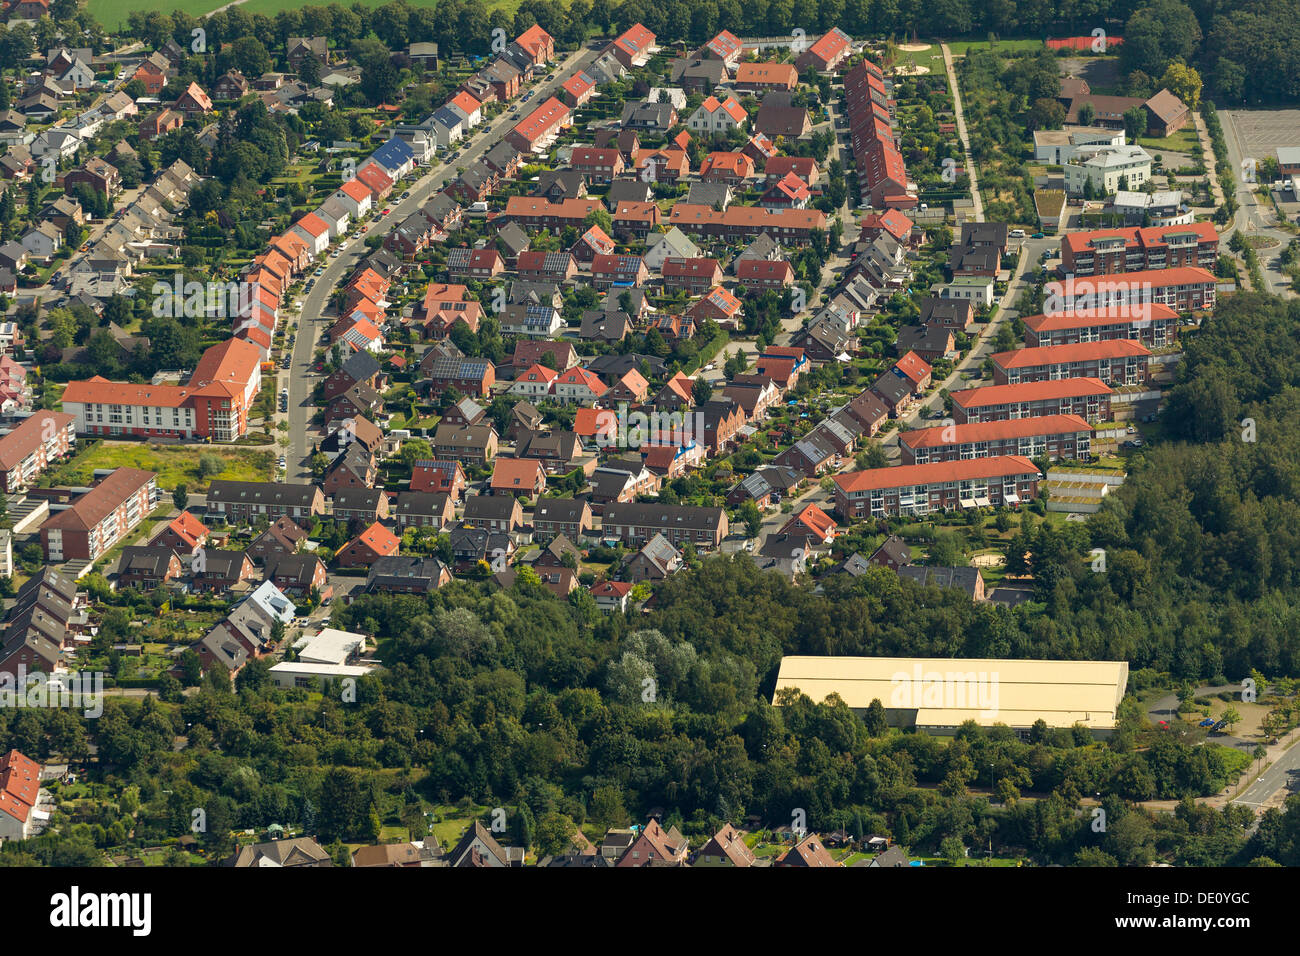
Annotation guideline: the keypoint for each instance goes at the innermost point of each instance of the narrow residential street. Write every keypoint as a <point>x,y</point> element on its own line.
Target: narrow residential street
<point>316,316</point>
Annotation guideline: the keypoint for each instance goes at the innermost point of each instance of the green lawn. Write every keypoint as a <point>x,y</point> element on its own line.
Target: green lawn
<point>175,464</point>
<point>1183,141</point>
<point>960,47</point>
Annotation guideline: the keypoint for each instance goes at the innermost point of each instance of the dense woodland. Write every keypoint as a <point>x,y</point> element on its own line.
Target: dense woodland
<point>520,700</point>
<point>517,699</point>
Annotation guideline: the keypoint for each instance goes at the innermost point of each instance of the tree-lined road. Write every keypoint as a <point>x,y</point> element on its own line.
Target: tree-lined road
<point>314,320</point>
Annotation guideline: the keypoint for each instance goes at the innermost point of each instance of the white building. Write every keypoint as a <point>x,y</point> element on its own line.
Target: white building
<point>714,116</point>
<point>672,244</point>
<point>313,676</point>
<point>1056,147</point>
<point>1110,169</point>
<point>978,289</point>
<point>1164,208</point>
<point>330,646</point>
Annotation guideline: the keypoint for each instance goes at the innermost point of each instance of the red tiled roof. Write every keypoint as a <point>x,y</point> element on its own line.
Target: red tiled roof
<point>1138,236</point>
<point>1156,278</point>
<point>542,120</point>
<point>812,519</point>
<point>1113,315</point>
<point>899,476</point>
<point>914,367</point>
<point>188,528</point>
<point>581,376</point>
<point>1079,352</point>
<point>993,431</point>
<point>378,539</point>
<point>1030,392</point>
<point>512,473</point>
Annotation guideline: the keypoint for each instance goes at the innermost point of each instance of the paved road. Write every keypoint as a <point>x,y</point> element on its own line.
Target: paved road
<point>1254,218</point>
<point>1281,775</point>
<point>961,133</point>
<point>315,319</point>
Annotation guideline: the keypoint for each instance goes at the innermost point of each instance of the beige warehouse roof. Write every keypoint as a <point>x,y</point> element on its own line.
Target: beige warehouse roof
<point>945,692</point>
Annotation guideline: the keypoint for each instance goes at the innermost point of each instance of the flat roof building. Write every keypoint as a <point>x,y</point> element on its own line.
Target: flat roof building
<point>938,695</point>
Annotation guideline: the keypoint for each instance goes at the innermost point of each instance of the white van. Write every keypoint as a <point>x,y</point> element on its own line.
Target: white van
<point>1017,234</point>
<point>479,207</point>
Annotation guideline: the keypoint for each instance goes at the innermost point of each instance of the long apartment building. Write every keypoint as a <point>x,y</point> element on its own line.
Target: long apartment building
<point>1115,362</point>
<point>1153,325</point>
<point>1057,436</point>
<point>1184,288</point>
<point>1088,398</point>
<point>1109,251</point>
<point>98,519</point>
<point>214,403</point>
<point>882,172</point>
<point>939,486</point>
<point>33,446</point>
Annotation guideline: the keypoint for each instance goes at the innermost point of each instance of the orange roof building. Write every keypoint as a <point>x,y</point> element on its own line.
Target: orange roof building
<point>214,404</point>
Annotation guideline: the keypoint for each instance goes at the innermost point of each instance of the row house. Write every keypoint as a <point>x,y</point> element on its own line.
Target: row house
<point>421,509</point>
<point>1115,362</point>
<point>432,476</point>
<point>618,270</point>
<point>1057,436</point>
<point>536,132</point>
<point>475,444</point>
<point>599,165</point>
<point>552,266</point>
<point>765,77</point>
<point>635,524</point>
<point>360,504</point>
<point>481,264</point>
<point>538,213</point>
<point>939,486</point>
<point>765,274</point>
<point>473,376</point>
<point>245,502</point>
<point>633,219</point>
<point>695,276</point>
<point>731,168</point>
<point>786,226</point>
<point>1087,398</point>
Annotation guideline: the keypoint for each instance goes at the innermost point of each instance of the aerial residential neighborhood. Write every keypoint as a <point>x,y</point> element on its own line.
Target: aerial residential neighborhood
<point>472,435</point>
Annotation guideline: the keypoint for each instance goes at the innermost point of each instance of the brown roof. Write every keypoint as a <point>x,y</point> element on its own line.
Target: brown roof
<point>98,503</point>
<point>28,436</point>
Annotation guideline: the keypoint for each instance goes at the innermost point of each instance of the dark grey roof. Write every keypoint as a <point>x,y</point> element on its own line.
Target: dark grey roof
<point>490,507</point>
<point>664,516</point>
<point>964,578</point>
<point>262,492</point>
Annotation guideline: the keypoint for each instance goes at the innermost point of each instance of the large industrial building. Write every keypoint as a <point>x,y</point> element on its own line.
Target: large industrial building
<point>938,695</point>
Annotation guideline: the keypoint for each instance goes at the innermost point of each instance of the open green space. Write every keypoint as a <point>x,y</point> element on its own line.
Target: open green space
<point>175,464</point>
